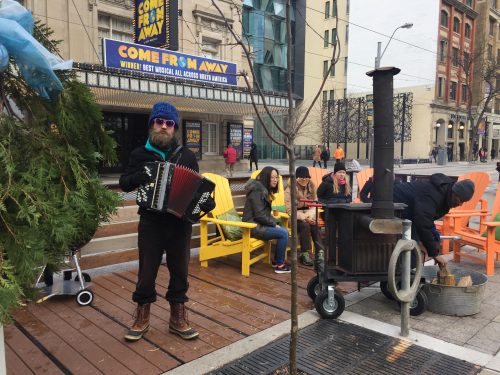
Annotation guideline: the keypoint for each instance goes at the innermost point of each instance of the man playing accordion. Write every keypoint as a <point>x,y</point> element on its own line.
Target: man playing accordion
<point>160,231</point>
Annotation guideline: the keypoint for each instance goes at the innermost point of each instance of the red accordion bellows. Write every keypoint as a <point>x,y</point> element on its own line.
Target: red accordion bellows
<point>185,184</point>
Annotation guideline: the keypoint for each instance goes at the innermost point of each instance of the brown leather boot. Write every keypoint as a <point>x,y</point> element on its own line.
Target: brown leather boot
<point>179,322</point>
<point>141,324</point>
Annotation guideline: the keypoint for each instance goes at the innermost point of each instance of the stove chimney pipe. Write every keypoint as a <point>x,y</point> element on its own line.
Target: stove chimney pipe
<point>383,155</point>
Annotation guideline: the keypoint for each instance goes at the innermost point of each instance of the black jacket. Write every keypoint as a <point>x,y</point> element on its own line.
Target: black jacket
<point>253,153</point>
<point>426,201</point>
<point>326,195</point>
<point>325,155</point>
<point>258,208</point>
<point>131,178</point>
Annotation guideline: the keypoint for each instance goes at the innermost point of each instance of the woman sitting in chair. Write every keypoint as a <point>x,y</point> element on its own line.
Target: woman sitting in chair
<point>335,187</point>
<point>306,216</point>
<point>259,195</point>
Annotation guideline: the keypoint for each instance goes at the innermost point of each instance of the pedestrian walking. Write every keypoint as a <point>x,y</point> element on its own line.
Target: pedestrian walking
<point>317,156</point>
<point>325,156</point>
<point>493,154</point>
<point>434,154</point>
<point>339,154</point>
<point>230,158</point>
<point>253,157</point>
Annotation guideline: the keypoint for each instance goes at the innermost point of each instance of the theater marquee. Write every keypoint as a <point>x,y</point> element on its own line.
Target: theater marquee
<point>152,60</point>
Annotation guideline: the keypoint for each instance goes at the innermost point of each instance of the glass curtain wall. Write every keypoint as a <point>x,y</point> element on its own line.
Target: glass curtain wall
<point>264,27</point>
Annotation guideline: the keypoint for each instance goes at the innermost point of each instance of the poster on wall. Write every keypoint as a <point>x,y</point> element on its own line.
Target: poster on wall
<point>247,141</point>
<point>155,23</point>
<point>235,137</point>
<point>192,136</point>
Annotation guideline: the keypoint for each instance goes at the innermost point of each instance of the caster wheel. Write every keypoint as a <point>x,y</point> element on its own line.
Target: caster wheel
<point>85,297</point>
<point>86,277</point>
<point>313,287</point>
<point>329,309</point>
<point>384,288</point>
<point>419,304</point>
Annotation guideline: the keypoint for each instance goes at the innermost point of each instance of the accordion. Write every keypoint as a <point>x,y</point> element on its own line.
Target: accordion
<point>174,189</point>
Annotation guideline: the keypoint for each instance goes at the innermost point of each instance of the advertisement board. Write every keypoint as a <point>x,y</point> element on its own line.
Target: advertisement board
<point>145,59</point>
<point>155,23</point>
<point>192,136</point>
<point>247,141</point>
<point>235,137</point>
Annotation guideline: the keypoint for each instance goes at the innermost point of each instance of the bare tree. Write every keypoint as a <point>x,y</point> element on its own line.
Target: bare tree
<point>296,120</point>
<point>480,72</point>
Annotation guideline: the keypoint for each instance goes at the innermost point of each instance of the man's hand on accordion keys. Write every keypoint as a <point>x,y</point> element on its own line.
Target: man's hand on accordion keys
<point>140,178</point>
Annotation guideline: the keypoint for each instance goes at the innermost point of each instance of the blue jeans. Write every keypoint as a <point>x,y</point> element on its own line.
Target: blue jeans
<point>280,234</point>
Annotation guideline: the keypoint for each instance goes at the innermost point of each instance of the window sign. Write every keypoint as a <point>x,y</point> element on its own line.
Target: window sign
<point>235,137</point>
<point>247,141</point>
<point>192,136</point>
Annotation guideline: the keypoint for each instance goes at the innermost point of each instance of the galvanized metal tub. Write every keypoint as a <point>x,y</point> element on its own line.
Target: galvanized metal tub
<point>455,300</point>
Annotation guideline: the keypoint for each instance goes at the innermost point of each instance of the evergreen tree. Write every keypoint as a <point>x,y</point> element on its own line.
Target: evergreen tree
<point>51,197</point>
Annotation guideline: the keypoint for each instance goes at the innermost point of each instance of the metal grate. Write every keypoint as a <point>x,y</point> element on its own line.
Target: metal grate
<point>332,347</point>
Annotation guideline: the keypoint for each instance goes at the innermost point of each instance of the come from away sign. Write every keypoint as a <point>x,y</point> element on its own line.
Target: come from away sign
<point>144,59</point>
<point>155,23</point>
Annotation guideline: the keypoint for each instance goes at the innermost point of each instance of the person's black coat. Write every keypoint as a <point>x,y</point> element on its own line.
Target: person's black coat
<point>253,153</point>
<point>257,208</point>
<point>134,175</point>
<point>325,155</point>
<point>426,201</point>
<point>326,195</point>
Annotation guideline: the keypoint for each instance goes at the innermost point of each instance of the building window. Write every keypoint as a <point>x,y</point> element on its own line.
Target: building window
<point>332,95</point>
<point>334,36</point>
<point>453,90</point>
<point>345,93</point>
<point>113,27</point>
<point>469,3</point>
<point>345,65</point>
<point>327,9</point>
<point>325,68</point>
<point>498,56</point>
<point>325,97</point>
<point>464,93</point>
<point>454,56</point>
<point>440,87</point>
<point>494,4</point>
<point>325,39</point>
<point>347,6</point>
<point>332,71</point>
<point>444,18</point>
<point>456,24</point>
<point>346,33</point>
<point>334,8</point>
<point>442,50</point>
<point>466,61</point>
<point>492,27</point>
<point>450,129</point>
<point>490,52</point>
<point>210,48</point>
<point>212,136</point>
<point>468,30</point>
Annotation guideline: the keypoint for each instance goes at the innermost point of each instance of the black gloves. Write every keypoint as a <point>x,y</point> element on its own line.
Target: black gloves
<point>139,178</point>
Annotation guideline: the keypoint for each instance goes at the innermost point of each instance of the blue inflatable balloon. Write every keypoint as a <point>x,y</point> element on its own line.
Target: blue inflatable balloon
<point>4,58</point>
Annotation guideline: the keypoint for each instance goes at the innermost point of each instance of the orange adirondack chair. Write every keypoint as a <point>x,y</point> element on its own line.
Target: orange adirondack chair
<point>473,238</point>
<point>449,225</point>
<point>361,177</point>
<point>316,177</point>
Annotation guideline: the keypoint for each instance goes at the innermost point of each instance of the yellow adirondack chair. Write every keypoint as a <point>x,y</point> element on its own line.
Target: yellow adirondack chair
<point>220,246</point>
<point>473,238</point>
<point>450,223</point>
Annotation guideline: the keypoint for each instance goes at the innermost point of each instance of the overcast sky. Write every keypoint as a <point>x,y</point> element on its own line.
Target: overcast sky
<point>383,16</point>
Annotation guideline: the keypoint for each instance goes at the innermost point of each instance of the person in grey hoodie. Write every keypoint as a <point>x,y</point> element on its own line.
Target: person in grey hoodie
<point>259,196</point>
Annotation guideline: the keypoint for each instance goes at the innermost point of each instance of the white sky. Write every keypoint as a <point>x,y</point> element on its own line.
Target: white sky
<point>417,65</point>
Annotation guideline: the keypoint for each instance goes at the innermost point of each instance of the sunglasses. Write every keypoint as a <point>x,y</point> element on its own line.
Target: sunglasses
<point>161,122</point>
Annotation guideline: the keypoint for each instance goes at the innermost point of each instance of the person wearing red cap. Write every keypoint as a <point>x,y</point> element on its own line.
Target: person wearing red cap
<point>160,232</point>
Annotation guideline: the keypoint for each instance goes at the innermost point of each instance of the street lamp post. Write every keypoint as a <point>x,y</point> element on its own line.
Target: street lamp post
<point>407,25</point>
<point>378,58</point>
<point>437,129</point>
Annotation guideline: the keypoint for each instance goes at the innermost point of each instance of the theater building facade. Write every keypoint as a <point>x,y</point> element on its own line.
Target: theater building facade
<point>200,76</point>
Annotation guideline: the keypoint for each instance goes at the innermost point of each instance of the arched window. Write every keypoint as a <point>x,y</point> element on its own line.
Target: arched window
<point>444,18</point>
<point>468,30</point>
<point>456,24</point>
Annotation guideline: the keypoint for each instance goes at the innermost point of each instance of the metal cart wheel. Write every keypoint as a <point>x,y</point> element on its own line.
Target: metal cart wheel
<point>419,303</point>
<point>329,309</point>
<point>313,287</point>
<point>86,277</point>
<point>384,288</point>
<point>84,297</point>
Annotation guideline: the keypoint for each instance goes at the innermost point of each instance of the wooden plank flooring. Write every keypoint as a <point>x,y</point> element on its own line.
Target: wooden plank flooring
<point>60,337</point>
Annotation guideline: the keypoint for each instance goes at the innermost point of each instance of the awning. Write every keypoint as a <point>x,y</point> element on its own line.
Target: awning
<point>116,99</point>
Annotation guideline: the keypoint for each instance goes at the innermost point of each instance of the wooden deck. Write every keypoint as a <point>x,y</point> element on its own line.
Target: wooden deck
<point>60,337</point>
